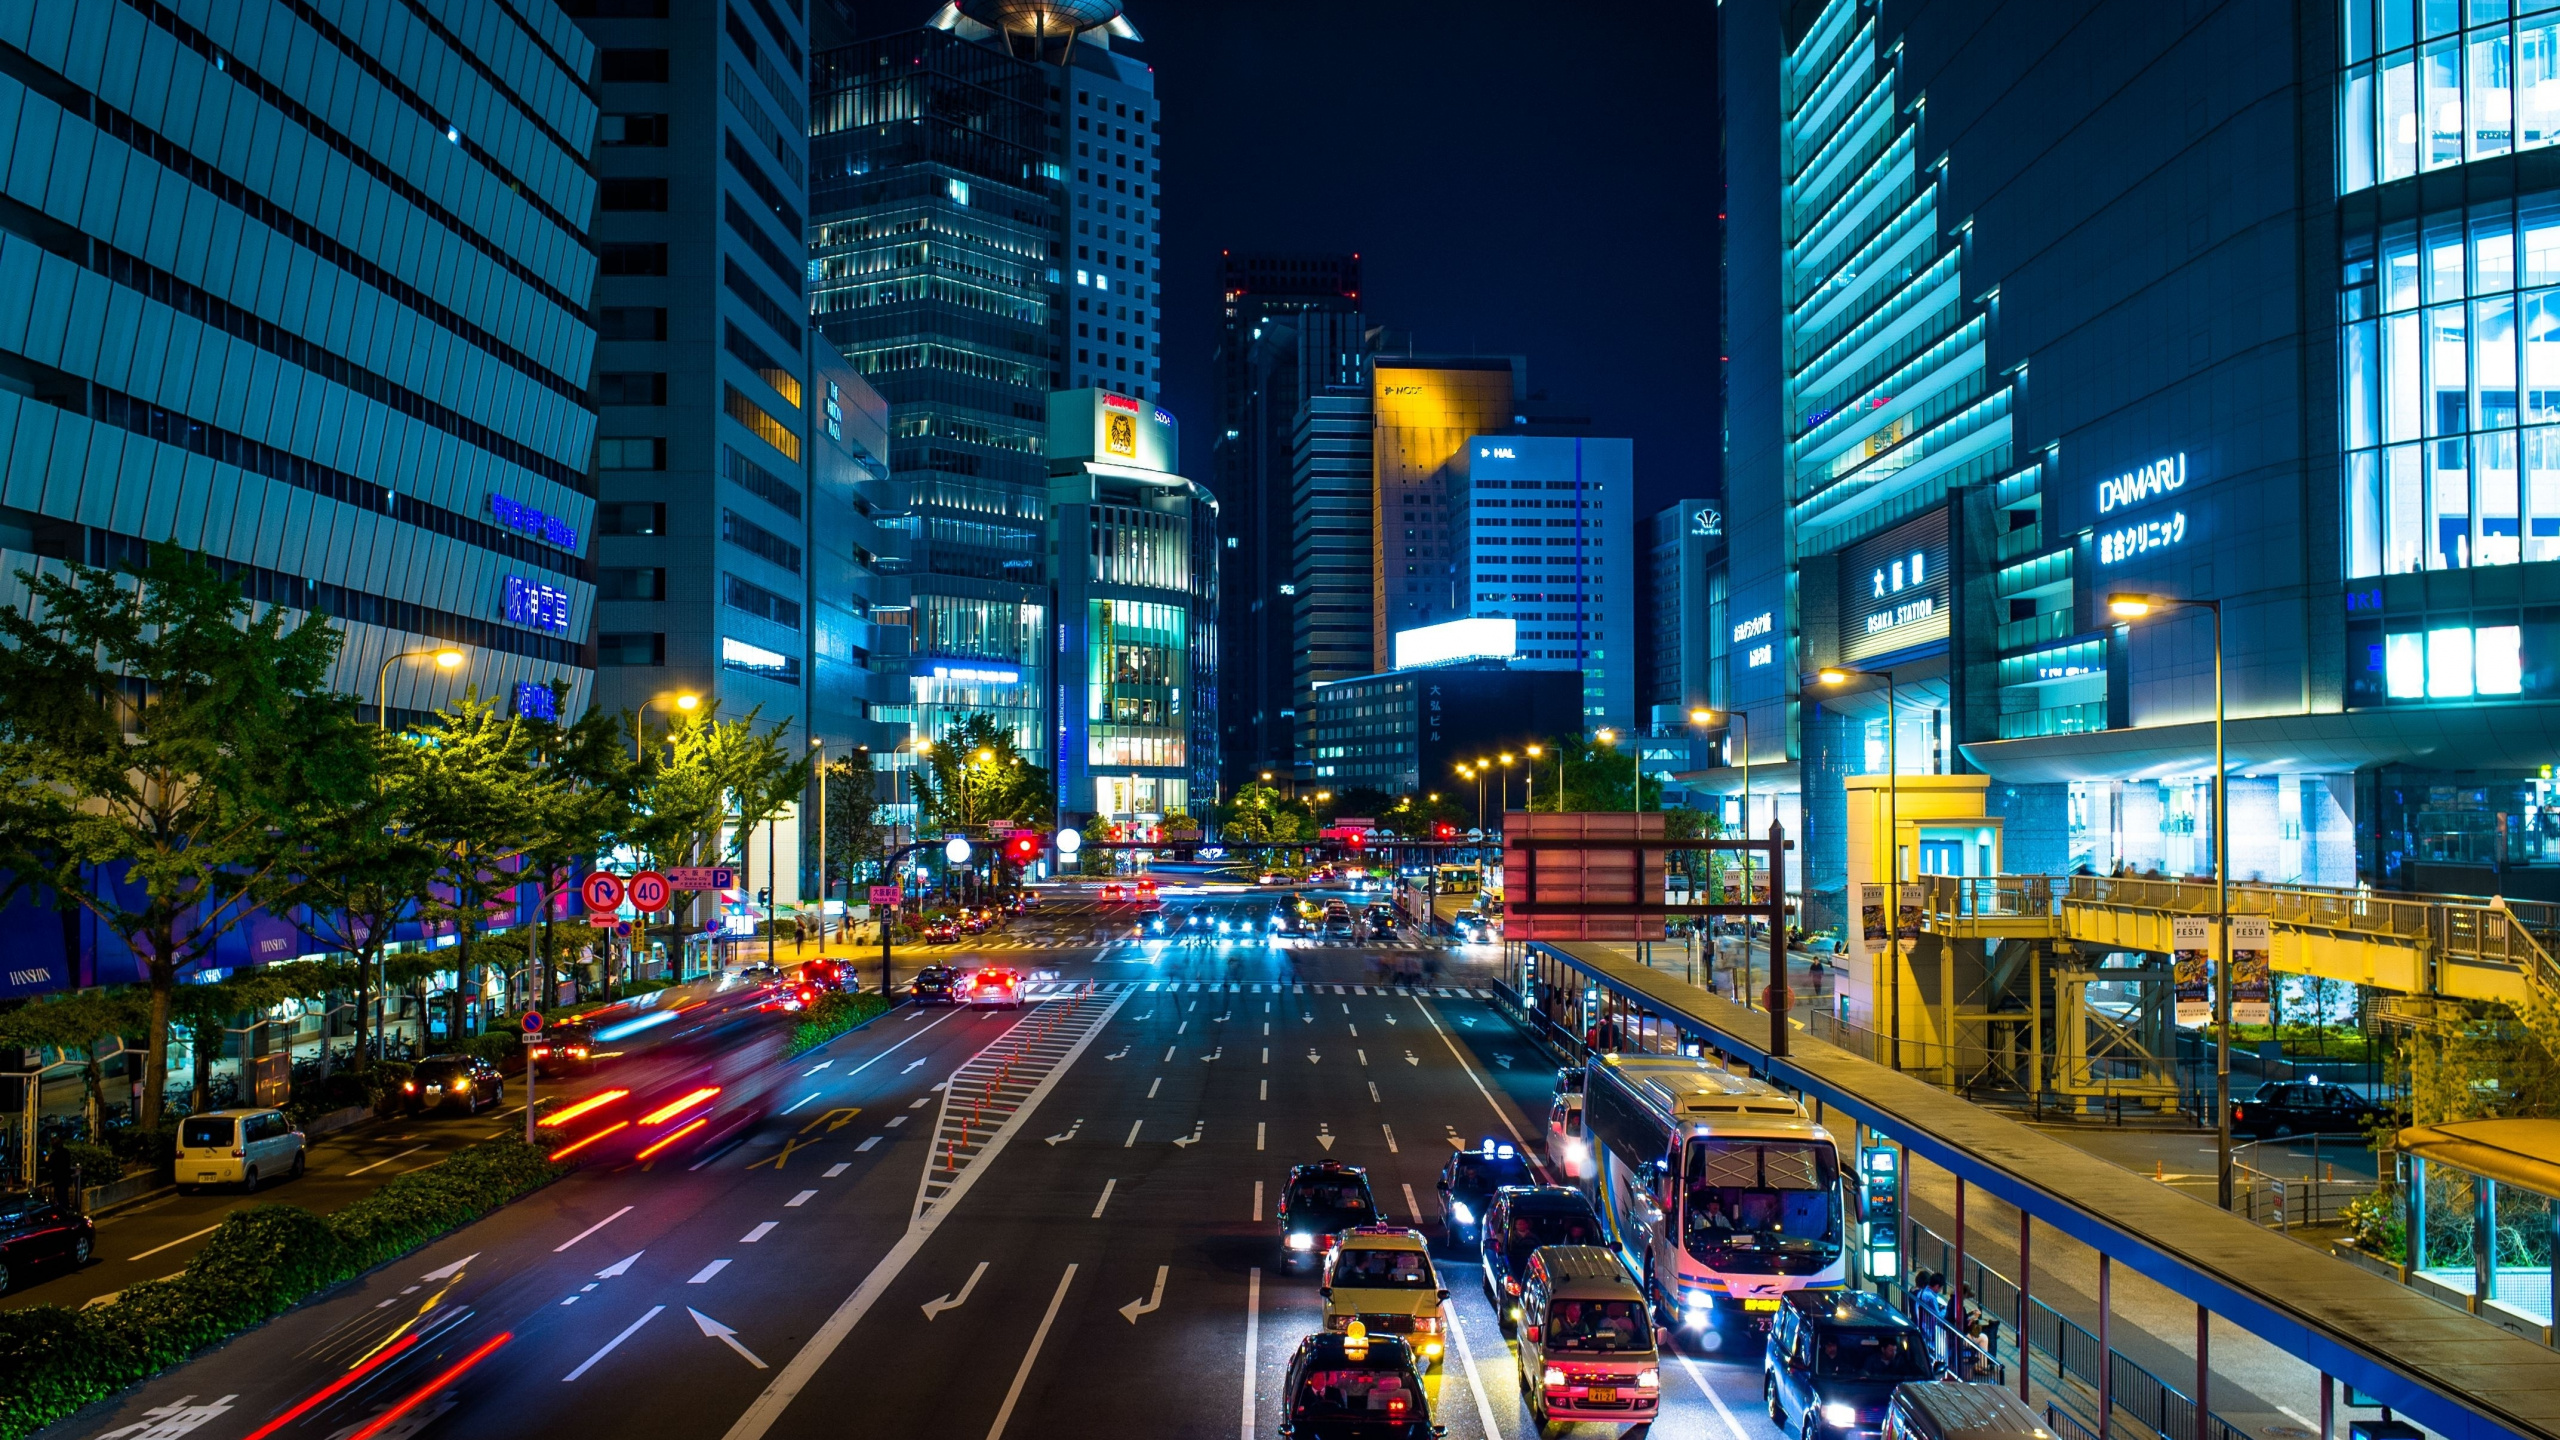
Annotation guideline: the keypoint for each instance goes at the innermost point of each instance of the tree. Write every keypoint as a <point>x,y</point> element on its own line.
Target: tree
<point>974,775</point>
<point>1258,814</point>
<point>704,778</point>
<point>476,794</point>
<point>590,806</point>
<point>853,837</point>
<point>82,1021</point>
<point>158,732</point>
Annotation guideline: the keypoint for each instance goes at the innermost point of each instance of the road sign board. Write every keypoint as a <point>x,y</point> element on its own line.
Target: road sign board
<point>533,1022</point>
<point>604,921</point>
<point>703,877</point>
<point>888,894</point>
<point>603,891</point>
<point>650,891</point>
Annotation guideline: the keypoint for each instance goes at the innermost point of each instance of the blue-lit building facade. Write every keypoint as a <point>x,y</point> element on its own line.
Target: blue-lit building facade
<point>2035,305</point>
<point>314,302</point>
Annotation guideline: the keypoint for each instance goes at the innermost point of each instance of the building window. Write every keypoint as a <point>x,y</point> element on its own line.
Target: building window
<point>761,421</point>
<point>631,387</point>
<point>747,535</point>
<point>768,369</point>
<point>631,322</point>
<point>635,67</point>
<point>631,259</point>
<point>633,192</point>
<point>629,582</point>
<point>758,601</point>
<point>631,517</point>
<point>756,480</point>
<point>736,654</point>
<point>631,647</point>
<point>632,452</point>
<point>631,130</point>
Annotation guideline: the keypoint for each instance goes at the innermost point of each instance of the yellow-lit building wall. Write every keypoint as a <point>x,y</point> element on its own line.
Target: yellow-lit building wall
<point>1423,412</point>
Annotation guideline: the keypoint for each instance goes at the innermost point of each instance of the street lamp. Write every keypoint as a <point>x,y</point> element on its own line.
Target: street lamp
<point>1635,752</point>
<point>446,658</point>
<point>1834,675</point>
<point>2134,607</point>
<point>1703,718</point>
<point>1506,758</point>
<point>685,701</point>
<point>1533,752</point>
<point>1470,772</point>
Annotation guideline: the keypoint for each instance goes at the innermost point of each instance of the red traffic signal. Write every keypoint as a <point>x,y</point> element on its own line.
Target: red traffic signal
<point>1443,830</point>
<point>1023,848</point>
<point>1358,841</point>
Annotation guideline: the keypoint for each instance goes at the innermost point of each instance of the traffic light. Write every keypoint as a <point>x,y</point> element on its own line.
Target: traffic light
<point>1358,840</point>
<point>1023,848</point>
<point>1443,830</point>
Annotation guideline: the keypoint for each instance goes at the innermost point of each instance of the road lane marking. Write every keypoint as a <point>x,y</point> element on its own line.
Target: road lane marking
<point>1257,1202</point>
<point>865,1145</point>
<point>1151,1088</point>
<point>1185,1025</point>
<point>1363,1054</point>
<point>725,1336</point>
<point>583,1234</point>
<point>758,1418</point>
<point>1253,1342</point>
<point>894,1122</point>
<point>758,1233</point>
<point>703,1275</point>
<point>1106,1197</point>
<point>1258,1127</point>
<point>1168,1052</point>
<point>1266,1085</point>
<point>1499,1113</point>
<point>814,1069</point>
<point>1475,1380</point>
<point>1373,1094</point>
<point>803,1198</point>
<point>1013,1393</point>
<point>1411,1204</point>
<point>921,1101</point>
<point>174,1244</point>
<point>1700,1380</point>
<point>1152,1303</point>
<point>628,1331</point>
<point>803,1100</point>
<point>376,1165</point>
<point>1133,1134</point>
<point>934,1307</point>
<point>842,1166</point>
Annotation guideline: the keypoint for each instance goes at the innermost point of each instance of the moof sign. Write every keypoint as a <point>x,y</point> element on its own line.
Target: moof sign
<point>888,894</point>
<point>532,603</point>
<point>2156,480</point>
<point>551,529</point>
<point>1758,656</point>
<point>602,891</point>
<point>703,877</point>
<point>1707,521</point>
<point>649,892</point>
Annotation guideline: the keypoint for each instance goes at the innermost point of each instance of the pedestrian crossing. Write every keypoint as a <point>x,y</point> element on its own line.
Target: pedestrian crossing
<point>1064,989</point>
<point>1086,942</point>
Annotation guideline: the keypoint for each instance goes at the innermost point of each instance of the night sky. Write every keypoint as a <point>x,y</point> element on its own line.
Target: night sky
<point>1517,179</point>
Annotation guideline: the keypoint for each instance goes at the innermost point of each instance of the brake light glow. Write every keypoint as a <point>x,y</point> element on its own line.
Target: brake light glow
<point>636,1025</point>
<point>679,1105</point>
<point>383,1421</point>
<point>596,1101</point>
<point>574,1146</point>
<point>371,1363</point>
<point>674,1136</point>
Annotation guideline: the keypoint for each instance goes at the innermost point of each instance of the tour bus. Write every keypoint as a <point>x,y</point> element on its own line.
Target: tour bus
<point>1717,1188</point>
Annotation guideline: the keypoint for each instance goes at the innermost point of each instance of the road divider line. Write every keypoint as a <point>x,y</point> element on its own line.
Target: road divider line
<point>1253,1342</point>
<point>703,1275</point>
<point>842,1166</point>
<point>590,1230</point>
<point>1133,1134</point>
<point>627,1332</point>
<point>759,1416</point>
<point>1699,1379</point>
<point>1151,1088</point>
<point>803,1198</point>
<point>174,1244</point>
<point>1411,1205</point>
<point>1390,1132</point>
<point>1475,1378</point>
<point>1257,1202</point>
<point>758,1233</point>
<point>378,1164</point>
<point>1013,1393</point>
<point>803,1100</point>
<point>1259,1126</point>
<point>1106,1197</point>
<point>1460,1056</point>
<point>865,1145</point>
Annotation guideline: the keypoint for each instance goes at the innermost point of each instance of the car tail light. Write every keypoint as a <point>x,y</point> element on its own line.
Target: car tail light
<point>239,1154</point>
<point>409,1085</point>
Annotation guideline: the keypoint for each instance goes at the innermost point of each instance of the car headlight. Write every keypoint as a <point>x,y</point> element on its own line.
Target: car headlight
<point>1836,1413</point>
<point>1554,1378</point>
<point>1302,1241</point>
<point>1648,1379</point>
<point>1575,1152</point>
<point>1465,1216</point>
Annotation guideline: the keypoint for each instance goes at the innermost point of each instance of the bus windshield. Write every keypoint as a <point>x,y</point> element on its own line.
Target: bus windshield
<point>1762,1205</point>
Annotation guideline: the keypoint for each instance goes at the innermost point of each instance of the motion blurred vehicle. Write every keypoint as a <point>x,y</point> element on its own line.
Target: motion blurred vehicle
<point>1355,1386</point>
<point>993,987</point>
<point>564,1049</point>
<point>1320,1201</point>
<point>1337,919</point>
<point>941,932</point>
<point>2307,1107</point>
<point>799,995</point>
<point>1381,1277</point>
<point>761,972</point>
<point>238,1147</point>
<point>37,1234</point>
<point>825,974</point>
<point>1955,1410</point>
<point>452,1082</point>
<point>696,1079</point>
<point>1517,1224</point>
<point>1468,1181</point>
<point>1833,1360</point>
<point>1114,894</point>
<point>1473,928</point>
<point>935,985</point>
<point>1586,1334</point>
<point>1568,1148</point>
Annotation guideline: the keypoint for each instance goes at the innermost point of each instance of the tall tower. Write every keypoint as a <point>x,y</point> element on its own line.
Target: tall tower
<point>1424,410</point>
<point>1291,327</point>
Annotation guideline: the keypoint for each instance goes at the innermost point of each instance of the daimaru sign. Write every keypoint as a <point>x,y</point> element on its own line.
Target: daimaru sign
<point>2156,480</point>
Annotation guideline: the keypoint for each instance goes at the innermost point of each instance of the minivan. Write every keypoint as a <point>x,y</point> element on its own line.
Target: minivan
<point>1833,1360</point>
<point>1954,1410</point>
<point>243,1147</point>
<point>1586,1334</point>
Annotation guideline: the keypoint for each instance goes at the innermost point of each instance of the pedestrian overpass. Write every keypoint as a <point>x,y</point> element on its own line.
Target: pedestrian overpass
<point>2458,1375</point>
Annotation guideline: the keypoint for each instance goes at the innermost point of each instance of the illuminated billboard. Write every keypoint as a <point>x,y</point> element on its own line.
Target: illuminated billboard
<point>1474,639</point>
<point>1112,429</point>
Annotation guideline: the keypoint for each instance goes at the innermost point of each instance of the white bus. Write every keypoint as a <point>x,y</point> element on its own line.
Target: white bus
<point>1718,1189</point>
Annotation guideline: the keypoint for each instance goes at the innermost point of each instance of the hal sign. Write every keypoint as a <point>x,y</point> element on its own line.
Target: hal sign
<point>650,892</point>
<point>602,891</point>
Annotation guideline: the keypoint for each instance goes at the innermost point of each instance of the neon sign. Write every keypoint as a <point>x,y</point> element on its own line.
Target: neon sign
<point>550,529</point>
<point>2162,477</point>
<point>1760,624</point>
<point>2123,544</point>
<point>543,607</point>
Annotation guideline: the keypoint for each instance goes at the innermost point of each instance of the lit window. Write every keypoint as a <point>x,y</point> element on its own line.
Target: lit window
<point>2498,651</point>
<point>2448,664</point>
<point>2405,666</point>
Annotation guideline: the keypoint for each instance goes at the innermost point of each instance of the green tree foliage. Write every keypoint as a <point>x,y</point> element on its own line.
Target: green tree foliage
<point>593,780</point>
<point>358,871</point>
<point>701,788</point>
<point>160,731</point>
<point>88,1023</point>
<point>855,838</point>
<point>1260,814</point>
<point>974,775</point>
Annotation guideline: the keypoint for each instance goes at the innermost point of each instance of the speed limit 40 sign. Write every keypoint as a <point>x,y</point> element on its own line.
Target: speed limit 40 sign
<point>649,892</point>
<point>602,891</point>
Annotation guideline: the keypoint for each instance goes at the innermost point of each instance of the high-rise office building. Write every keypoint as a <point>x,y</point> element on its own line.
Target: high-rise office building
<point>1544,532</point>
<point>1423,411</point>
<point>1330,592</point>
<point>1679,600</point>
<point>1291,325</point>
<point>348,363</point>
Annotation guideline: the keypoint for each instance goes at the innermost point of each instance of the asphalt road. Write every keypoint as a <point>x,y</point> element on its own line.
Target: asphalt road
<point>1094,1251</point>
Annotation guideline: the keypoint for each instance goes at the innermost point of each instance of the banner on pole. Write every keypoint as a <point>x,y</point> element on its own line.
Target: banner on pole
<point>2191,967</point>
<point>2252,977</point>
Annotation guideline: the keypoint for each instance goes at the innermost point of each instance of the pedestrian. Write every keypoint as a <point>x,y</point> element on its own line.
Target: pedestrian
<point>1931,1304</point>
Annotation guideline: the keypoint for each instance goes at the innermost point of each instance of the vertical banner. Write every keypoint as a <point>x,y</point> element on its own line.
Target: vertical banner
<point>1910,916</point>
<point>2252,946</point>
<point>1871,913</point>
<point>2191,969</point>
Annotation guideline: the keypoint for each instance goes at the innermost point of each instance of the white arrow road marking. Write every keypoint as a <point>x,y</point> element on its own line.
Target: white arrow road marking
<point>1391,1139</point>
<point>703,1275</point>
<point>1071,1132</point>
<point>447,1272</point>
<point>1412,1059</point>
<point>1221,1020</point>
<point>1194,1137</point>
<point>1502,1060</point>
<point>912,1065</point>
<point>1311,1057</point>
<point>1116,1054</point>
<point>935,1306</point>
<point>618,1267</point>
<point>1447,1039</point>
<point>1455,1143</point>
<point>1013,1393</point>
<point>1133,1134</point>
<point>572,1240</point>
<point>1215,1054</point>
<point>1391,1019</point>
<point>1324,1136</point>
<point>627,1332</point>
<point>725,1336</point>
<point>1152,1303</point>
<point>1107,1187</point>
<point>814,1069</point>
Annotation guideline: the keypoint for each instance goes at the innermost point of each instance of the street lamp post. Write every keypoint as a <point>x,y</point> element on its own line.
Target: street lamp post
<point>1534,751</point>
<point>2134,607</point>
<point>1505,759</point>
<point>1703,718</point>
<point>819,744</point>
<point>446,658</point>
<point>686,701</point>
<point>1893,832</point>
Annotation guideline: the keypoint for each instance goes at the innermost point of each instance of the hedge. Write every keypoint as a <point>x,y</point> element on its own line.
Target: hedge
<point>260,1263</point>
<point>833,1015</point>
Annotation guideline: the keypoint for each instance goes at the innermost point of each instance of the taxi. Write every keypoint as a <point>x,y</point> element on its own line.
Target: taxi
<point>1352,1386</point>
<point>1380,1277</point>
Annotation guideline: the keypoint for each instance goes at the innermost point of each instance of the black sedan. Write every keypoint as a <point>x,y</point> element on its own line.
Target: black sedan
<point>935,985</point>
<point>1468,1181</point>
<point>2306,1107</point>
<point>1356,1387</point>
<point>460,1082</point>
<point>1320,1201</point>
<point>37,1234</point>
<point>1517,1223</point>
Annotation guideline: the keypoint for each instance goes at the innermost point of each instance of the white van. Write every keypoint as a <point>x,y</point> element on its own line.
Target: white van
<point>244,1147</point>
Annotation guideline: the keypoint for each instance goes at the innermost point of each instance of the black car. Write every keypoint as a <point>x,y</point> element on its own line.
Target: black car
<point>568,1049</point>
<point>935,985</point>
<point>2305,1107</point>
<point>1468,1181</point>
<point>1319,1202</point>
<point>37,1234</point>
<point>1518,1221</point>
<point>460,1082</point>
<point>1833,1359</point>
<point>1355,1387</point>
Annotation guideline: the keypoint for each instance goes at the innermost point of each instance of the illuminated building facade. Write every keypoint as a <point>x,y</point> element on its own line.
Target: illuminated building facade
<point>1422,412</point>
<point>1544,530</point>
<point>1331,591</point>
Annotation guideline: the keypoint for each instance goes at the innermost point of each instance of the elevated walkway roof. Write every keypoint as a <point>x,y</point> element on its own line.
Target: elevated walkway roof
<point>2456,1374</point>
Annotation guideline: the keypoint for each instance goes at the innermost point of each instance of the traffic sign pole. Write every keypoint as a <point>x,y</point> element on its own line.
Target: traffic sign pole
<point>532,1028</point>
